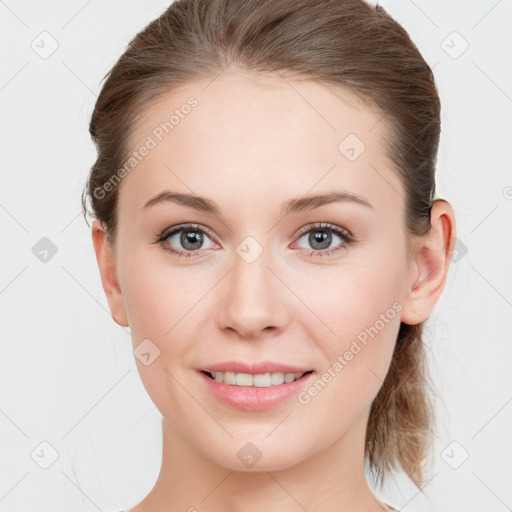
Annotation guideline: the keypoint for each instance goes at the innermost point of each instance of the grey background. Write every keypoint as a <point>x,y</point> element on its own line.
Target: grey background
<point>67,373</point>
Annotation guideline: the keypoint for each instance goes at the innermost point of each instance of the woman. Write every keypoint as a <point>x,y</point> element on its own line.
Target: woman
<point>265,221</point>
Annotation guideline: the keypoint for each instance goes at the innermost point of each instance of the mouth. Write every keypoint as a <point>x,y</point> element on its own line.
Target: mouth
<point>255,385</point>
<point>260,380</point>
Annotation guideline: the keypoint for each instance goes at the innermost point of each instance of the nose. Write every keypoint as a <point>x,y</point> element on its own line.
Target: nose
<point>252,301</point>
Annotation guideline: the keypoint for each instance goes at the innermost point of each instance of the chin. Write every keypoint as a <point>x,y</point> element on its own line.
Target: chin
<point>263,455</point>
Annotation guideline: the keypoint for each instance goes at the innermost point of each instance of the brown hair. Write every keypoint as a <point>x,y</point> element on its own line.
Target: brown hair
<point>345,43</point>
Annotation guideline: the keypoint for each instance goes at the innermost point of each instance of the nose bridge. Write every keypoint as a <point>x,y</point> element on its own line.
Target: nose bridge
<point>250,265</point>
<point>253,300</point>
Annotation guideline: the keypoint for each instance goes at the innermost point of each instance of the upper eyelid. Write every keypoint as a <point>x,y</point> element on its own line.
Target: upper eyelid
<point>185,227</point>
<point>326,226</point>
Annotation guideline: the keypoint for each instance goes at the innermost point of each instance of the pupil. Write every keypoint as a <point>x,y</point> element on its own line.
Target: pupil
<point>323,238</point>
<point>189,238</point>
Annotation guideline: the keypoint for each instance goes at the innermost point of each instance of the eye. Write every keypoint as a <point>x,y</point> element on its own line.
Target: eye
<point>320,238</point>
<point>189,238</point>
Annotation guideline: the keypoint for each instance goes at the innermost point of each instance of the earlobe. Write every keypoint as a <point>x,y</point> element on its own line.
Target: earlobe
<point>108,273</point>
<point>432,255</point>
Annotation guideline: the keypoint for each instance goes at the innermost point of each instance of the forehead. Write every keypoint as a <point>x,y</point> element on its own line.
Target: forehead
<point>261,136</point>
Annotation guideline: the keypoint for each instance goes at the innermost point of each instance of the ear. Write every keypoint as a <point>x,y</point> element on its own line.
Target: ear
<point>108,272</point>
<point>432,255</point>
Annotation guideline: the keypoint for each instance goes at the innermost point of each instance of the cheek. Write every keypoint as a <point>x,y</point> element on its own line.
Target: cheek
<point>357,307</point>
<point>363,316</point>
<point>164,303</point>
<point>151,295</point>
<point>149,304</point>
<point>347,301</point>
<point>157,304</point>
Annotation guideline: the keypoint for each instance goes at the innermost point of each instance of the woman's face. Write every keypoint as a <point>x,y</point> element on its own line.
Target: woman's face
<point>252,282</point>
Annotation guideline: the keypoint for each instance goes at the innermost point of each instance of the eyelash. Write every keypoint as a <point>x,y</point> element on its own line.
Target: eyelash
<point>344,234</point>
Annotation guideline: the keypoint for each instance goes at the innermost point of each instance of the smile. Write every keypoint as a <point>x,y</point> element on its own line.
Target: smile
<point>255,392</point>
<point>261,380</point>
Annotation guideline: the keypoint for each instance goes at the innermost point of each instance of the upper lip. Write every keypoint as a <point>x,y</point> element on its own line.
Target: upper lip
<point>254,368</point>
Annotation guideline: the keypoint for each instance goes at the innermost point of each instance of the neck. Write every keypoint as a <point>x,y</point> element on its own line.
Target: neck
<point>332,479</point>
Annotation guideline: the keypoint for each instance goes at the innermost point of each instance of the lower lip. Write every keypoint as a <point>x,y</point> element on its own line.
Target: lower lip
<point>252,398</point>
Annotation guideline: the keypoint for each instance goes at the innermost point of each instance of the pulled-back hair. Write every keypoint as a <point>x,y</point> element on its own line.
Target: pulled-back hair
<point>344,43</point>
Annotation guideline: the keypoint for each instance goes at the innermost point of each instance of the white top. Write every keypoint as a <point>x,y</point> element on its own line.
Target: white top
<point>389,507</point>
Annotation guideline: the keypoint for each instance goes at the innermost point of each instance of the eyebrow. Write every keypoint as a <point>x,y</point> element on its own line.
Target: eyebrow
<point>291,206</point>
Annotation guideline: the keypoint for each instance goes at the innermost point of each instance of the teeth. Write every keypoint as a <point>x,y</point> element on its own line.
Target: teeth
<point>263,380</point>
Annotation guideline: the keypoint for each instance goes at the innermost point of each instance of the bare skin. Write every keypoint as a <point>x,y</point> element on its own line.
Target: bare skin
<point>250,146</point>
